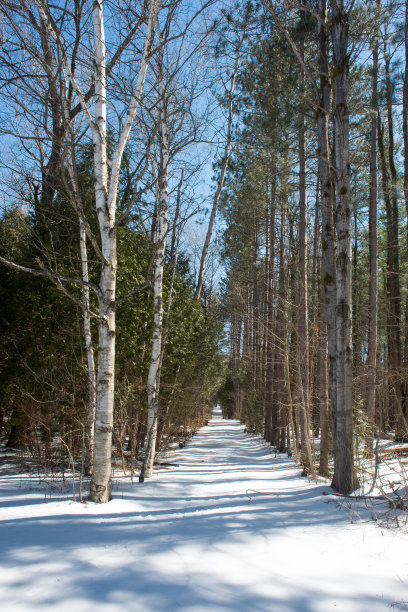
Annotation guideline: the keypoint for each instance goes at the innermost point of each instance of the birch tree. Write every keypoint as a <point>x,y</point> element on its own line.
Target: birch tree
<point>177,72</point>
<point>153,379</point>
<point>106,193</point>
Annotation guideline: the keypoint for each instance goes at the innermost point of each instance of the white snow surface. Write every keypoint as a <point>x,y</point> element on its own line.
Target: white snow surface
<point>231,528</point>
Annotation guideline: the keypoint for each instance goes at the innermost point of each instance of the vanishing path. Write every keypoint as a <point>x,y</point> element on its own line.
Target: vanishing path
<point>230,529</point>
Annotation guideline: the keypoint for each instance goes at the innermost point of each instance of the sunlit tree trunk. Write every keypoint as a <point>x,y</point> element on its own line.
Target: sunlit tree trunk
<point>105,200</point>
<point>90,423</point>
<point>344,479</point>
<point>153,379</point>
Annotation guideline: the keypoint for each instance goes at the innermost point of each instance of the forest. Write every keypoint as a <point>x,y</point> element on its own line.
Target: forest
<point>203,305</point>
<point>203,203</point>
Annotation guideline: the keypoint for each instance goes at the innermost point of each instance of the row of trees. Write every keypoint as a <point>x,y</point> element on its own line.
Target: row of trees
<point>100,126</point>
<point>317,193</point>
<point>101,158</point>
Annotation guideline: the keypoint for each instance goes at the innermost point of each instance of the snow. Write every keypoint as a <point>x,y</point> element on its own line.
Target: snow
<point>231,528</point>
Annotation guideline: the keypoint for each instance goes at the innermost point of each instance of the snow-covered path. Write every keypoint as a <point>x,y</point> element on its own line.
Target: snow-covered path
<point>230,529</point>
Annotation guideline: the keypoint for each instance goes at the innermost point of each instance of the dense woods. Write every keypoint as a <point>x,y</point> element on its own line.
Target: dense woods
<point>104,347</point>
<point>315,222</point>
<point>116,340</point>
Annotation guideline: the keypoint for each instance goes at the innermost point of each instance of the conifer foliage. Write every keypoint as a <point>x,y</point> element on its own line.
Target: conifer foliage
<point>110,347</point>
<point>313,214</point>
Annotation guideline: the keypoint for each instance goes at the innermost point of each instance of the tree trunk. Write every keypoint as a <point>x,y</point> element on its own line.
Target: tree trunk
<point>323,390</point>
<point>393,277</point>
<point>373,252</point>
<point>328,278</point>
<point>101,483</point>
<point>280,405</point>
<point>105,200</point>
<point>269,392</point>
<point>328,245</point>
<point>344,479</point>
<point>153,379</point>
<point>303,321</point>
<point>405,139</point>
<point>90,424</point>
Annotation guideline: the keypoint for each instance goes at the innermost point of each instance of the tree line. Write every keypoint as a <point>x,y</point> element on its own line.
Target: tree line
<point>107,343</point>
<point>110,342</point>
<point>315,243</point>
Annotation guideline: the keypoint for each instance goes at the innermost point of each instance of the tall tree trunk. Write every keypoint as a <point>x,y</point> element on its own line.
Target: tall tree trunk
<point>90,424</point>
<point>105,201</point>
<point>153,379</point>
<point>344,479</point>
<point>101,483</point>
<point>393,277</point>
<point>323,389</point>
<point>405,139</point>
<point>280,404</point>
<point>328,278</point>
<point>303,317</point>
<point>373,251</point>
<point>75,196</point>
<point>256,337</point>
<point>265,312</point>
<point>269,392</point>
<point>315,299</point>
<point>236,357</point>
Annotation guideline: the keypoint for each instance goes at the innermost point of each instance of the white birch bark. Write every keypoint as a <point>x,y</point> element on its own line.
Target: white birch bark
<point>133,106</point>
<point>105,199</point>
<point>106,191</point>
<point>101,486</point>
<point>153,379</point>
<point>90,425</point>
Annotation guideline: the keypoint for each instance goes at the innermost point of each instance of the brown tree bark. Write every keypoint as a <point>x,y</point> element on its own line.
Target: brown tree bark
<point>344,479</point>
<point>328,279</point>
<point>373,253</point>
<point>303,318</point>
<point>270,315</point>
<point>279,411</point>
